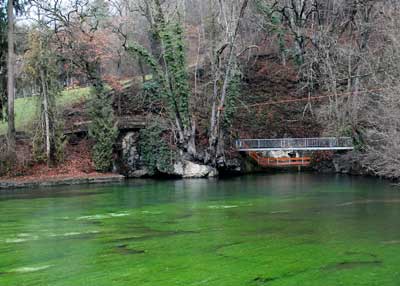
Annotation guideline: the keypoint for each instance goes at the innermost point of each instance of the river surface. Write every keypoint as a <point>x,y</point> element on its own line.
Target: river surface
<point>285,229</point>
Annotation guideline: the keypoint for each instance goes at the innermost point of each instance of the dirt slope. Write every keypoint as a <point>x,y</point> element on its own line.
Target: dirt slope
<point>267,80</point>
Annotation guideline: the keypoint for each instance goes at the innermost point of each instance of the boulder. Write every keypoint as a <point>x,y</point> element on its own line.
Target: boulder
<point>277,154</point>
<point>188,169</point>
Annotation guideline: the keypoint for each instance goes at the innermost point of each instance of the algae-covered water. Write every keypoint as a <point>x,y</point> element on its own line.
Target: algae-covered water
<point>286,229</point>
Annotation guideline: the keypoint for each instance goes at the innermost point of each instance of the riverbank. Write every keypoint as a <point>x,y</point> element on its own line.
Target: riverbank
<point>80,171</point>
<point>43,176</point>
<point>77,168</point>
<point>32,182</point>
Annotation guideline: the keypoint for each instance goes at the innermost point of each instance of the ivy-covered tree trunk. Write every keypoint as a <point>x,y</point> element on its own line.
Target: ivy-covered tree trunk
<point>171,76</point>
<point>153,12</point>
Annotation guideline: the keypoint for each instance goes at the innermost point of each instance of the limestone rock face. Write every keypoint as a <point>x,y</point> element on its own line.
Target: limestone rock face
<point>131,163</point>
<point>234,166</point>
<point>348,164</point>
<point>132,166</point>
<point>188,169</point>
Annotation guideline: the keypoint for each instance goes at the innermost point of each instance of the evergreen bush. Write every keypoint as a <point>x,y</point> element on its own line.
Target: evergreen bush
<point>103,129</point>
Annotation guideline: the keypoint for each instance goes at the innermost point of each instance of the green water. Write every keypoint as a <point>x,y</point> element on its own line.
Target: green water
<point>287,229</point>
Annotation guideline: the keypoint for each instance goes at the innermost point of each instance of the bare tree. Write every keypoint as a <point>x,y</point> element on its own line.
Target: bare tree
<point>3,59</point>
<point>225,27</point>
<point>11,80</point>
<point>81,41</point>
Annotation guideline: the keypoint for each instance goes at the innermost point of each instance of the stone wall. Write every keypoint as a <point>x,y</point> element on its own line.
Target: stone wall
<point>129,162</point>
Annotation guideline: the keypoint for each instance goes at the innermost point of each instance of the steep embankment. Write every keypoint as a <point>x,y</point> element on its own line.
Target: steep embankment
<point>268,106</point>
<point>274,104</point>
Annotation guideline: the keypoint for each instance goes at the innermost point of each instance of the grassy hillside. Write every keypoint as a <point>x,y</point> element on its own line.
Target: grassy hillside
<point>25,108</point>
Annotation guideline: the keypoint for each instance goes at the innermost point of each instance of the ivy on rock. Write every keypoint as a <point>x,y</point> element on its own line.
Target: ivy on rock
<point>155,152</point>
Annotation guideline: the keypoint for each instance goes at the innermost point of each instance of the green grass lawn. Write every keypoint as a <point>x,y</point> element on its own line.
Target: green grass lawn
<point>25,108</point>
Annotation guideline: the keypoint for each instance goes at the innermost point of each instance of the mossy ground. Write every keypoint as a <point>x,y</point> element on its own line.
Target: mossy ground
<point>275,230</point>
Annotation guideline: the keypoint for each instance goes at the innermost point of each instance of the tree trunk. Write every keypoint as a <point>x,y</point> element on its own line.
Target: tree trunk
<point>216,146</point>
<point>192,140</point>
<point>155,16</point>
<point>46,116</point>
<point>142,71</point>
<point>11,80</point>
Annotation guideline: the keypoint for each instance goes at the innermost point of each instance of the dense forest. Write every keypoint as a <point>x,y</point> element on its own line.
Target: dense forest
<point>150,87</point>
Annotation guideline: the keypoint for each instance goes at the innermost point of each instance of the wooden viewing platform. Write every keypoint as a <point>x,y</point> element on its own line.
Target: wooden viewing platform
<point>255,148</point>
<point>295,144</point>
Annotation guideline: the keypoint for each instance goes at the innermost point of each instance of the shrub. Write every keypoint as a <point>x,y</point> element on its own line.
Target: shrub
<point>103,129</point>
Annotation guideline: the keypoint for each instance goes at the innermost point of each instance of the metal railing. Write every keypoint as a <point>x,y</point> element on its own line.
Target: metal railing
<point>323,143</point>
